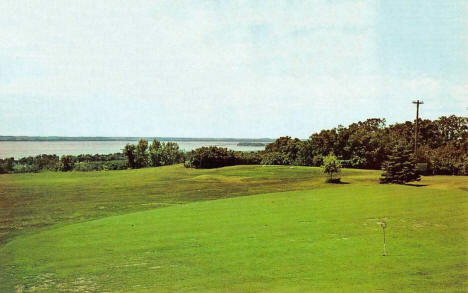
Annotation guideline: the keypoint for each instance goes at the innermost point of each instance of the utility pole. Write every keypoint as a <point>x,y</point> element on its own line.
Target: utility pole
<point>417,102</point>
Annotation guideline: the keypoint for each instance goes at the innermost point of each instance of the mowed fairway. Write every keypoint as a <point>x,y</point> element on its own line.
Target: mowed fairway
<point>306,236</point>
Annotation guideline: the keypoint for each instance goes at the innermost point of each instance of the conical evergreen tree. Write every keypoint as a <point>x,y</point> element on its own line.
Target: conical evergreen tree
<point>400,167</point>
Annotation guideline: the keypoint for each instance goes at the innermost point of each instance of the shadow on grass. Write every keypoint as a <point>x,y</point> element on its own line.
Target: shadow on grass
<point>415,185</point>
<point>336,181</point>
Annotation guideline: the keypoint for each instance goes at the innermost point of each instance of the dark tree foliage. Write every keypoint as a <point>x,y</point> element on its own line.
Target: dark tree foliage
<point>163,154</point>
<point>442,144</point>
<point>400,167</point>
<point>211,157</point>
<point>275,158</point>
<point>171,154</point>
<point>6,165</point>
<point>247,158</point>
<point>33,164</point>
<point>306,155</point>
<point>66,163</point>
<point>362,144</point>
<point>287,147</point>
<point>130,152</point>
<point>215,157</point>
<point>141,157</point>
<point>41,162</point>
<point>449,159</point>
<point>434,133</point>
<point>100,165</point>
<point>442,147</point>
<point>84,162</point>
<point>452,129</point>
<point>9,163</point>
<point>100,158</point>
<point>155,155</point>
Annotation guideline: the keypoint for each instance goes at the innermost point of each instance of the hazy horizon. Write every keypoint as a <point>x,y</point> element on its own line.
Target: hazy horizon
<point>227,69</point>
<point>205,137</point>
<point>123,138</point>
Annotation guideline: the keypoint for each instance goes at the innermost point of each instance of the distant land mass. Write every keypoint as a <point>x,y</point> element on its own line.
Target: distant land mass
<point>128,138</point>
<point>248,143</point>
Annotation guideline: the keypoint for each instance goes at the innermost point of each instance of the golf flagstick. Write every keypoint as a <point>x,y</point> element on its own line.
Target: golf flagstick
<point>384,226</point>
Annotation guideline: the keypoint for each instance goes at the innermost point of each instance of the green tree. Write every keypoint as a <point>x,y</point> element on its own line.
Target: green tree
<point>163,154</point>
<point>6,165</point>
<point>287,146</point>
<point>448,159</point>
<point>141,158</point>
<point>306,154</point>
<point>275,158</point>
<point>332,167</point>
<point>171,154</point>
<point>130,152</point>
<point>66,163</point>
<point>155,154</point>
<point>452,129</point>
<point>210,157</point>
<point>10,163</point>
<point>400,167</point>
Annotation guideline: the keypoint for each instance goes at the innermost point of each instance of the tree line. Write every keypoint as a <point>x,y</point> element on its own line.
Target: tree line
<point>45,162</point>
<point>369,144</point>
<point>157,154</point>
<point>442,147</point>
<point>153,155</point>
<point>138,155</point>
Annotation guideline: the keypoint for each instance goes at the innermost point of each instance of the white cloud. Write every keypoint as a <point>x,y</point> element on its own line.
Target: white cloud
<point>84,48</point>
<point>225,65</point>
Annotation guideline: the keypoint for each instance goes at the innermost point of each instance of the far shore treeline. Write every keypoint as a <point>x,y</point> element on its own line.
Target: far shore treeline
<point>442,149</point>
<point>241,141</point>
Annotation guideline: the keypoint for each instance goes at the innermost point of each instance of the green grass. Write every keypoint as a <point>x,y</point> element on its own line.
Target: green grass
<point>297,234</point>
<point>31,201</point>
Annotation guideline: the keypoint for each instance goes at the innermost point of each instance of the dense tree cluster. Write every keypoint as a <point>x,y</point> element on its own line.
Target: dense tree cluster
<point>154,155</point>
<point>275,158</point>
<point>65,163</point>
<point>6,165</point>
<point>370,144</point>
<point>215,157</point>
<point>443,145</point>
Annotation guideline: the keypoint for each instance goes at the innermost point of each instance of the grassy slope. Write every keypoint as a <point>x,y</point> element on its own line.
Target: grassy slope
<point>30,201</point>
<point>322,239</point>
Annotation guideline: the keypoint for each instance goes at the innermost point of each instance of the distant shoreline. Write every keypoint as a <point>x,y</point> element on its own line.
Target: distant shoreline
<point>251,144</point>
<point>128,138</point>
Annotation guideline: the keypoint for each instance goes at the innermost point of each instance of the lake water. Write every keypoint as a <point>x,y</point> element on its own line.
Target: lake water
<point>19,149</point>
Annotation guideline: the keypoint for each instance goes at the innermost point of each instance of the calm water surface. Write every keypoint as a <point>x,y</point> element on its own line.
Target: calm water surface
<point>19,149</point>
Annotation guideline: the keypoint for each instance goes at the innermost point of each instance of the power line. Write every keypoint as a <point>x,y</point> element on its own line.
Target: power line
<point>417,102</point>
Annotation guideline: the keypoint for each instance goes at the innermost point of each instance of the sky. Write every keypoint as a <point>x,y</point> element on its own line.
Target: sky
<point>227,68</point>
